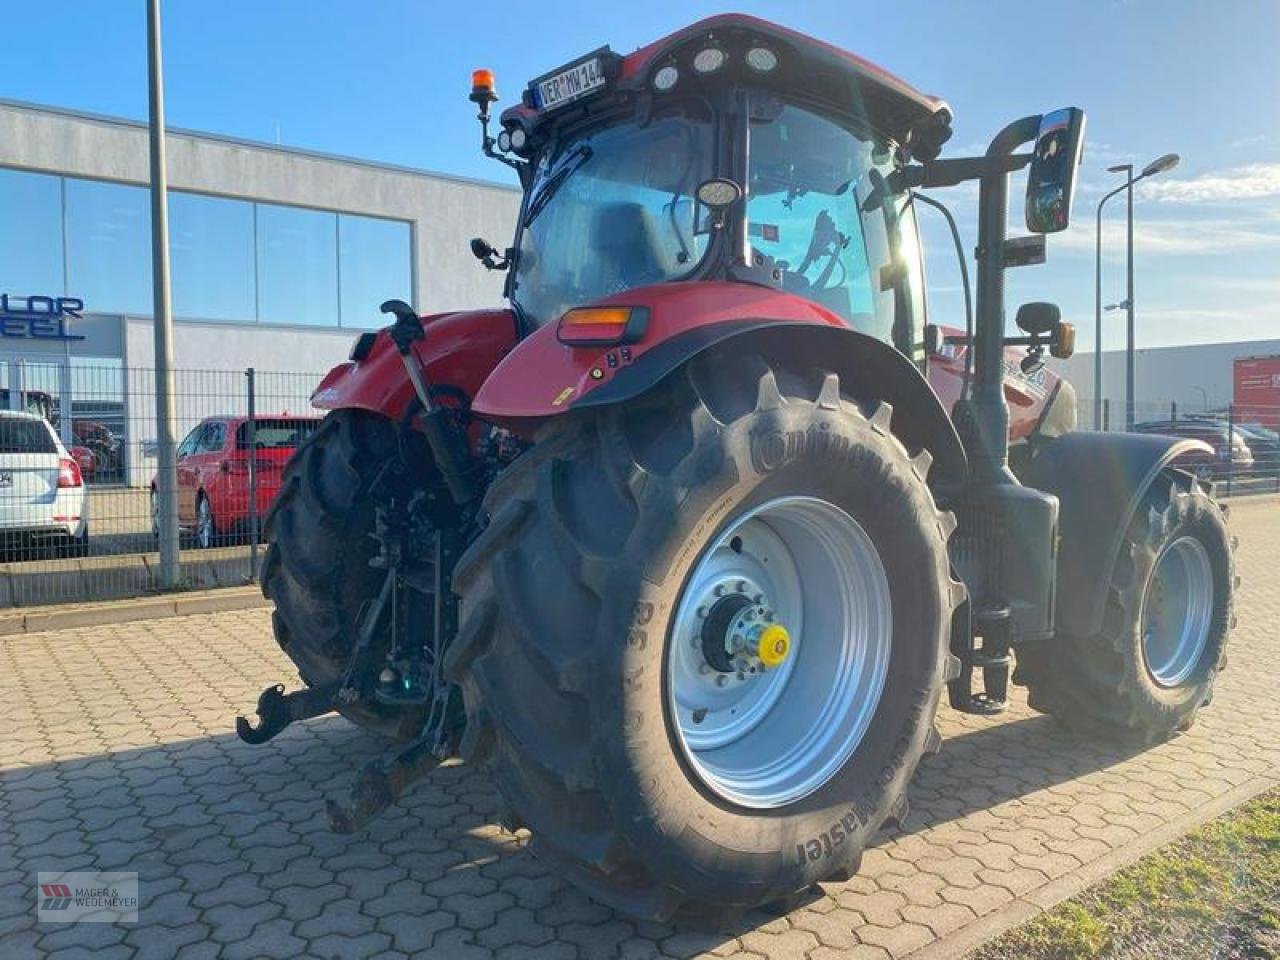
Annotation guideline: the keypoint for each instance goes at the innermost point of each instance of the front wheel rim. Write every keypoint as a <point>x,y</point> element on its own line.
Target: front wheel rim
<point>1177,611</point>
<point>770,738</point>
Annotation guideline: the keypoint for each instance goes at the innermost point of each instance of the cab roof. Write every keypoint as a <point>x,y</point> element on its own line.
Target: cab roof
<point>842,80</point>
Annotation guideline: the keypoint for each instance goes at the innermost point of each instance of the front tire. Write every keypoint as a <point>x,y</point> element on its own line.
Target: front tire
<point>1163,640</point>
<point>574,607</point>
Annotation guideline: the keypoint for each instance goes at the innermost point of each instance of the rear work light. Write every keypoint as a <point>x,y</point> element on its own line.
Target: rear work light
<point>69,474</point>
<point>602,326</point>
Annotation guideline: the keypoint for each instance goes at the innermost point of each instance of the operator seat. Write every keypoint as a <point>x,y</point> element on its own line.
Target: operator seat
<point>633,255</point>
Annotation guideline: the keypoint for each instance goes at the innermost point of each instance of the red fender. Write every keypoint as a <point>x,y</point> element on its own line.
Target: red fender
<point>459,352</point>
<point>544,378</point>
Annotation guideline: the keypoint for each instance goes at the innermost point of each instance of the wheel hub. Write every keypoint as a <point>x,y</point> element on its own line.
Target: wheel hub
<point>739,635</point>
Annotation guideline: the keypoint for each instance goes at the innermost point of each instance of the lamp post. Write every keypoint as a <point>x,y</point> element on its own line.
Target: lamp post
<point>166,464</point>
<point>1160,165</point>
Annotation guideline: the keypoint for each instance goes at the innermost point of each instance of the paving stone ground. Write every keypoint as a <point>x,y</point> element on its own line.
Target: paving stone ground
<point>116,753</point>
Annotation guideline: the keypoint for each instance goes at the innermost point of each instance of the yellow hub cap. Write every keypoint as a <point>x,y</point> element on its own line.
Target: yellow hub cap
<point>773,646</point>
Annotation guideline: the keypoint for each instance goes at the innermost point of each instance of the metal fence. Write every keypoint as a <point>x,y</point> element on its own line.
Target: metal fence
<point>79,527</point>
<point>1245,439</point>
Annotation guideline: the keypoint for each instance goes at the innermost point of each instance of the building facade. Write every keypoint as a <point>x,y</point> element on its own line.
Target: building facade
<point>278,257</point>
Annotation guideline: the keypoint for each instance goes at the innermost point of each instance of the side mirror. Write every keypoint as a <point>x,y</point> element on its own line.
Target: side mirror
<point>486,253</point>
<point>1038,319</point>
<point>1051,183</point>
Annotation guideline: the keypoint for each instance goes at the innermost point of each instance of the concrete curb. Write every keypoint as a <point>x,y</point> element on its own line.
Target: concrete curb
<point>67,616</point>
<point>1034,902</point>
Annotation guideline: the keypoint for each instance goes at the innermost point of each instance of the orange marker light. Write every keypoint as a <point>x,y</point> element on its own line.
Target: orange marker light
<point>482,89</point>
<point>482,79</point>
<point>588,326</point>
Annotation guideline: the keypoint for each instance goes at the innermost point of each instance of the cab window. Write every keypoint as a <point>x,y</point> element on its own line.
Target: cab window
<point>815,205</point>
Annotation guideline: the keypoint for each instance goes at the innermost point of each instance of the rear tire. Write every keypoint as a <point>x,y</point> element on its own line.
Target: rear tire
<point>570,601</point>
<point>1163,640</point>
<point>319,544</point>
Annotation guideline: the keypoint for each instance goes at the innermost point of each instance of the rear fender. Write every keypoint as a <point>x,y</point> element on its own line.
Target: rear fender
<point>1099,480</point>
<point>458,353</point>
<point>868,368</point>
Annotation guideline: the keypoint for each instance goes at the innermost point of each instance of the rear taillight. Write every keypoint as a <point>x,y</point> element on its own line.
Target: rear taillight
<point>69,474</point>
<point>602,326</point>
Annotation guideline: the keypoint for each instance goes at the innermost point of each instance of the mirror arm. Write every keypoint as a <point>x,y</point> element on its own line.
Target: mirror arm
<point>954,170</point>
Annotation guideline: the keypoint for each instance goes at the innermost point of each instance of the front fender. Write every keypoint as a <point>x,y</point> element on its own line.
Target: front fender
<point>457,354</point>
<point>1099,480</point>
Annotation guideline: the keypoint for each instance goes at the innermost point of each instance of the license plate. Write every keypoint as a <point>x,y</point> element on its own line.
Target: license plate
<point>570,84</point>
<point>6,478</point>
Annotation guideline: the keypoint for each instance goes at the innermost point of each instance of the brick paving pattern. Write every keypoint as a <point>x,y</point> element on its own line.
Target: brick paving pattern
<point>117,754</point>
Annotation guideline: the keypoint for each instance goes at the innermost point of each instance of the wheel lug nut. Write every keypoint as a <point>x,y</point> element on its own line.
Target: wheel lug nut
<point>742,586</point>
<point>758,598</point>
<point>702,613</point>
<point>719,591</point>
<point>721,680</point>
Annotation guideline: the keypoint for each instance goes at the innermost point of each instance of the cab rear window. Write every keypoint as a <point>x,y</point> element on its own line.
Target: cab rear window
<point>25,436</point>
<point>276,434</point>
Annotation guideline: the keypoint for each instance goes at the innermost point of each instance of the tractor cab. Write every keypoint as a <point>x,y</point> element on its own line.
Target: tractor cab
<point>733,150</point>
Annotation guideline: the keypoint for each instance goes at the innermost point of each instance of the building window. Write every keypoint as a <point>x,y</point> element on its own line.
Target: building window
<point>30,234</point>
<point>212,258</point>
<point>109,241</point>
<point>373,261</point>
<point>297,266</point>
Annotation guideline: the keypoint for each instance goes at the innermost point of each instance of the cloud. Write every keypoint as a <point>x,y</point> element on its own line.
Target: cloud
<point>1249,182</point>
<point>1172,237</point>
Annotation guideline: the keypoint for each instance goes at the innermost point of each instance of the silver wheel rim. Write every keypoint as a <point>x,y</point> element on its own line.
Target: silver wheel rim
<point>1177,609</point>
<point>204,524</point>
<point>768,738</point>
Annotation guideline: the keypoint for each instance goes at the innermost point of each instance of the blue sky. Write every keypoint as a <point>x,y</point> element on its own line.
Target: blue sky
<point>388,81</point>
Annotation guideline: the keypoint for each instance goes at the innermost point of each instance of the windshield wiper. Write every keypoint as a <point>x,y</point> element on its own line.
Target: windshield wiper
<point>575,159</point>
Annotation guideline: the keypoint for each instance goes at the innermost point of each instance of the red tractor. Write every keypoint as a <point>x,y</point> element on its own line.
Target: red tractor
<point>683,544</point>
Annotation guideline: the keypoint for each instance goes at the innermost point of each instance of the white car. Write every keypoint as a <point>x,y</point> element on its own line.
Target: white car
<point>42,493</point>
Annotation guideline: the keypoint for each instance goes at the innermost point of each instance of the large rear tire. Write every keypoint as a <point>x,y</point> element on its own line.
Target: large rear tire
<point>319,535</point>
<point>574,602</point>
<point>1163,640</point>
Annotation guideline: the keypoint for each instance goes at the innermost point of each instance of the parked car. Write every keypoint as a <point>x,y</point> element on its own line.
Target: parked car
<point>107,448</point>
<point>84,459</point>
<point>213,473</point>
<point>1231,454</point>
<point>42,493</point>
<point>1265,445</point>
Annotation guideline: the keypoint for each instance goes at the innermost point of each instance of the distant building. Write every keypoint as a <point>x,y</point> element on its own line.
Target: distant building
<point>1197,377</point>
<point>279,257</point>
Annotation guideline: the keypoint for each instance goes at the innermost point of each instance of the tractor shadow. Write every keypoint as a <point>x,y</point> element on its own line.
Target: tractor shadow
<point>215,822</point>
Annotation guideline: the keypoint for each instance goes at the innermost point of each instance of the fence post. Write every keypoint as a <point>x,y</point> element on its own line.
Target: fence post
<point>1106,416</point>
<point>251,430</point>
<point>1231,442</point>
<point>1173,411</point>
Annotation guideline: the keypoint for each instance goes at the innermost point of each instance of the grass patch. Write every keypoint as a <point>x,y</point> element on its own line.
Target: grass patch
<point>1215,893</point>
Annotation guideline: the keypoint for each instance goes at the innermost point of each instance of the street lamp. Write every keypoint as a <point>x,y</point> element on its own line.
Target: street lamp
<point>1161,164</point>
